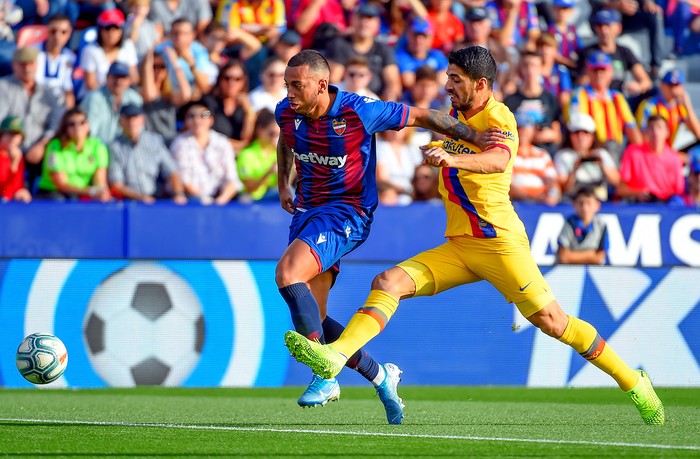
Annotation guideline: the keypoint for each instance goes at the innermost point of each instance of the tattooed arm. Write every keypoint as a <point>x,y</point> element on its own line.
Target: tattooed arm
<point>285,159</point>
<point>445,124</point>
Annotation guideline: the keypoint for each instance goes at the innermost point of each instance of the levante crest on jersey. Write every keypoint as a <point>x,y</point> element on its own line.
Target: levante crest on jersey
<point>339,126</point>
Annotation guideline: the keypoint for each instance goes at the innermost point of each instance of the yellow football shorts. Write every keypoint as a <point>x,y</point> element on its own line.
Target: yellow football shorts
<point>505,262</point>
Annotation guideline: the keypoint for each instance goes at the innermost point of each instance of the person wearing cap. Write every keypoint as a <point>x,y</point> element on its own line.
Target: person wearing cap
<point>673,103</point>
<point>112,45</point>
<point>75,167</point>
<point>583,163</point>
<point>532,98</point>
<point>564,31</point>
<point>449,29</point>
<point>417,51</point>
<point>636,15</point>
<point>651,171</point>
<point>205,158</point>
<point>607,27</point>
<point>556,77</point>
<point>12,186</point>
<point>165,13</point>
<point>534,176</point>
<point>55,62</point>
<point>477,29</point>
<point>363,41</point>
<point>138,158</point>
<point>103,105</point>
<point>608,107</point>
<point>34,104</point>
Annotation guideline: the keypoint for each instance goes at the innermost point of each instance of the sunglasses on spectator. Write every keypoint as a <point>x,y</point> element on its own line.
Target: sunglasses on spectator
<point>357,74</point>
<point>111,27</point>
<point>203,115</point>
<point>59,31</point>
<point>159,66</point>
<point>74,123</point>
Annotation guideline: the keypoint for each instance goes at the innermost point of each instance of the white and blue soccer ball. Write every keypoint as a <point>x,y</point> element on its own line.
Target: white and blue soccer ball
<point>41,358</point>
<point>144,326</point>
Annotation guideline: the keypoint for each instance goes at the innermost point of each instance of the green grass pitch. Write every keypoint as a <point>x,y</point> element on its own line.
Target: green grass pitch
<point>440,422</point>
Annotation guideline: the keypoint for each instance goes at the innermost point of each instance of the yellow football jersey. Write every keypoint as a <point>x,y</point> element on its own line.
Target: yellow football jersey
<point>479,204</point>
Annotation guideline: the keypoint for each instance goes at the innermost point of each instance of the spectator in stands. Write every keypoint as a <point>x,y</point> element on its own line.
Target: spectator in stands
<point>305,16</point>
<point>214,40</point>
<point>38,11</point>
<point>112,46</point>
<point>607,27</point>
<point>515,23</point>
<point>556,77</point>
<point>424,94</point>
<point>608,107</point>
<point>425,184</point>
<point>651,171</point>
<point>76,163</point>
<point>580,164</point>
<point>417,52</point>
<point>272,89</point>
<point>384,71</point>
<point>193,57</point>
<point>102,105</point>
<point>534,175</point>
<point>138,158</point>
<point>638,15</point>
<point>396,164</point>
<point>234,43</point>
<point>142,31</point>
<point>288,45</point>
<point>357,77</point>
<point>264,19</point>
<point>257,163</point>
<point>682,17</point>
<point>35,105</point>
<point>234,115</point>
<point>692,197</point>
<point>449,29</point>
<point>166,13</point>
<point>162,95</point>
<point>205,158</point>
<point>564,32</point>
<point>477,29</point>
<point>533,101</point>
<point>55,61</point>
<point>673,103</point>
<point>12,187</point>
<point>584,238</point>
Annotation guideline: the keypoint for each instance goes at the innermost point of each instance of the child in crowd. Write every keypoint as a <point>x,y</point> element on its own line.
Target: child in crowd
<point>584,238</point>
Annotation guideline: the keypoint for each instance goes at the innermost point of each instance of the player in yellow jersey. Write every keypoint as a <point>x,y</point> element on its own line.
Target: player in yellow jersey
<point>485,241</point>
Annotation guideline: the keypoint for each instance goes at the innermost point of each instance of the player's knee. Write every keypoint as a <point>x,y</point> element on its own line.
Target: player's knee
<point>393,282</point>
<point>284,274</point>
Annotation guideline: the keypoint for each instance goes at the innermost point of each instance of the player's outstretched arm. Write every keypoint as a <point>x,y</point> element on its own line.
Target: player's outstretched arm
<point>285,159</point>
<point>445,124</point>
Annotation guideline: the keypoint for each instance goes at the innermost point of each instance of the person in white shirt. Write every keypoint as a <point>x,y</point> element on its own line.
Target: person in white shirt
<point>55,62</point>
<point>272,89</point>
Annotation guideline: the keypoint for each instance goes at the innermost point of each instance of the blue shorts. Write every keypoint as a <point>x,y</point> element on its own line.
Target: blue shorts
<point>331,231</point>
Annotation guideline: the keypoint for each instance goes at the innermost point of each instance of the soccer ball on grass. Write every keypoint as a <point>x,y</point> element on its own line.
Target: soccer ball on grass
<point>41,358</point>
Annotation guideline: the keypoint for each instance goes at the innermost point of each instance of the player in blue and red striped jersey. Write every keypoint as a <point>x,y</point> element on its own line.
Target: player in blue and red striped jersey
<point>329,136</point>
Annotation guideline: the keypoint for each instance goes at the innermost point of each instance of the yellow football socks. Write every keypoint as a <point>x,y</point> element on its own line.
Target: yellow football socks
<point>367,322</point>
<point>585,340</point>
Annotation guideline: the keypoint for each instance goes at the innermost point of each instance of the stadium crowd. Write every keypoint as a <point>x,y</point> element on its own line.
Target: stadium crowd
<point>174,99</point>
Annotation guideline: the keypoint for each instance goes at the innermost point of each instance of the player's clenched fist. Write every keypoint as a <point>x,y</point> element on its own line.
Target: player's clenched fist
<point>435,155</point>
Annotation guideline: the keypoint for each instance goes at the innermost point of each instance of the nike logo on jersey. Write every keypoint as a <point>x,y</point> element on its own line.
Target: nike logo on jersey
<point>522,289</point>
<point>321,239</point>
<point>297,123</point>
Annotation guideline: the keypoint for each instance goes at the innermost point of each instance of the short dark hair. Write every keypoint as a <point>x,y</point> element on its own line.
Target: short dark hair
<point>58,17</point>
<point>476,62</point>
<point>585,192</point>
<point>264,118</point>
<point>213,26</point>
<point>536,54</point>
<point>311,58</point>
<point>356,59</point>
<point>426,72</point>
<point>654,118</point>
<point>179,21</point>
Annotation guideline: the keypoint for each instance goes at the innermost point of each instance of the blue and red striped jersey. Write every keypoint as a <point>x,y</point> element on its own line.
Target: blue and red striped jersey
<point>335,156</point>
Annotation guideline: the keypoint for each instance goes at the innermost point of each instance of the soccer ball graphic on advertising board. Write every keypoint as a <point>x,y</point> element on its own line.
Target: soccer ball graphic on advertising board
<point>144,326</point>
